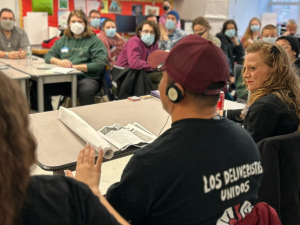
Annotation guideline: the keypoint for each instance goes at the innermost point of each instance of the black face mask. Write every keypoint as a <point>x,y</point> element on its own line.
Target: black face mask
<point>200,34</point>
<point>166,8</point>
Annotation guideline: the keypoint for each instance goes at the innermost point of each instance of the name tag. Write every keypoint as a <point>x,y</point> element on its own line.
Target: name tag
<point>64,49</point>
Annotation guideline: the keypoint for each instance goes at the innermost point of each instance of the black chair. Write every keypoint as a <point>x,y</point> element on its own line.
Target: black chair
<point>237,70</point>
<point>280,185</point>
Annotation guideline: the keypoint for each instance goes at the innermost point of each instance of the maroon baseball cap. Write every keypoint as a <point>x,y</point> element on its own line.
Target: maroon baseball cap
<point>195,63</point>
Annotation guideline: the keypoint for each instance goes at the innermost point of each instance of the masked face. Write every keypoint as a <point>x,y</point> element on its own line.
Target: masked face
<point>254,28</point>
<point>111,32</point>
<point>77,28</point>
<point>271,40</point>
<point>95,22</point>
<point>148,39</point>
<point>166,7</point>
<point>230,33</point>
<point>7,25</point>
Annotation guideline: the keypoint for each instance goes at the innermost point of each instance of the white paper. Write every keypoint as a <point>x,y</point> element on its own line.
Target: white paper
<point>269,18</point>
<point>61,70</point>
<point>85,131</point>
<point>80,4</point>
<point>149,9</point>
<point>63,17</point>
<point>35,20</point>
<point>216,9</point>
<point>90,5</point>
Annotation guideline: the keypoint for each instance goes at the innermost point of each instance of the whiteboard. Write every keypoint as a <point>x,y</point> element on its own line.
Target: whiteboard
<point>217,9</point>
<point>36,27</point>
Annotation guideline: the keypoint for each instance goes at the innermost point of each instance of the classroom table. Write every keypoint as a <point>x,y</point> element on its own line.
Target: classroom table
<point>48,78</point>
<point>58,146</point>
<point>16,75</point>
<point>35,60</point>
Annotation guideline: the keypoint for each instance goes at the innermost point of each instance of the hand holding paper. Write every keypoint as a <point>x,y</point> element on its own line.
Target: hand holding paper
<point>85,131</point>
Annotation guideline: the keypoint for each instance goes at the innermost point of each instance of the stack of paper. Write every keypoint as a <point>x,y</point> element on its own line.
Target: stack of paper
<point>85,131</point>
<point>61,70</point>
<point>155,94</point>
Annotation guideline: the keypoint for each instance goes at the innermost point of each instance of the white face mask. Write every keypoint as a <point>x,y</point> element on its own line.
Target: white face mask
<point>77,28</point>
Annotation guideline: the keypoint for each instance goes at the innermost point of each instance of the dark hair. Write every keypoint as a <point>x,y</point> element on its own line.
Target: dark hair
<point>152,24</point>
<point>108,20</point>
<point>201,21</point>
<point>149,16</point>
<point>229,22</point>
<point>17,149</point>
<point>93,11</point>
<point>6,10</point>
<point>87,31</point>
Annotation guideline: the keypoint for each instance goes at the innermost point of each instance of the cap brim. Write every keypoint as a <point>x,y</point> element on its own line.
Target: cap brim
<point>157,58</point>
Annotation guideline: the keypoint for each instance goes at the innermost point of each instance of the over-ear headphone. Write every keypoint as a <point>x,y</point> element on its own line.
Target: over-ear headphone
<point>174,93</point>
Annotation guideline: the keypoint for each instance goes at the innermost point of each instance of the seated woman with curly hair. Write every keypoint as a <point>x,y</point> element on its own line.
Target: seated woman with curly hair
<point>274,105</point>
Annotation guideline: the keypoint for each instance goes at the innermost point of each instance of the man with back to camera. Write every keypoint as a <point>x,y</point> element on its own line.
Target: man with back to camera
<point>94,20</point>
<point>152,18</point>
<point>291,28</point>
<point>173,34</point>
<point>166,6</point>
<point>196,172</point>
<point>13,40</point>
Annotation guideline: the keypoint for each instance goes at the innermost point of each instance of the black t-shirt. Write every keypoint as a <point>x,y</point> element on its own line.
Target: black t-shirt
<point>190,175</point>
<point>61,200</point>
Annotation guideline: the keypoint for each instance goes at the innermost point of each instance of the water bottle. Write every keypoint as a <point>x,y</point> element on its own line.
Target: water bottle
<point>28,57</point>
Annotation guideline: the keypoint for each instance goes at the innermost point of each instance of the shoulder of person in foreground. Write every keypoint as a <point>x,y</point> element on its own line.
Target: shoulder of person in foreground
<point>57,197</point>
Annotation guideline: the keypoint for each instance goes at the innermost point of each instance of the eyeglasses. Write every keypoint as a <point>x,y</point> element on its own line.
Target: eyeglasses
<point>147,32</point>
<point>286,46</point>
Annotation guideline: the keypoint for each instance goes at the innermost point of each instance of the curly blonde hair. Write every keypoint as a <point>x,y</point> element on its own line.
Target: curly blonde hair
<point>282,80</point>
<point>17,149</point>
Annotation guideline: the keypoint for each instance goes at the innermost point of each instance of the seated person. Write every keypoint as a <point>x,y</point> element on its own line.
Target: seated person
<point>174,34</point>
<point>230,45</point>
<point>152,18</point>
<point>80,49</point>
<point>94,20</point>
<point>112,41</point>
<point>274,105</point>
<point>268,34</point>
<point>291,46</point>
<point>291,28</point>
<point>137,49</point>
<point>40,200</point>
<point>13,40</point>
<point>167,7</point>
<point>185,175</point>
<point>201,27</point>
<point>252,32</point>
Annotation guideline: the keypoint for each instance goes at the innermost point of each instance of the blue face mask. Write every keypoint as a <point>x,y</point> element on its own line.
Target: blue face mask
<point>111,32</point>
<point>148,39</point>
<point>230,33</point>
<point>170,25</point>
<point>254,28</point>
<point>271,40</point>
<point>95,22</point>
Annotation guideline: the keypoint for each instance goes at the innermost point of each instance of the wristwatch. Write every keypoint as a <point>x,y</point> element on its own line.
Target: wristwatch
<point>6,55</point>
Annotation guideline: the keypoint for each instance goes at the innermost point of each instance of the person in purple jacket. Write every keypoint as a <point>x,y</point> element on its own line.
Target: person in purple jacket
<point>137,49</point>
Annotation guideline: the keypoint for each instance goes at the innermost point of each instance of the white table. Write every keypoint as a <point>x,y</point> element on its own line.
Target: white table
<point>45,78</point>
<point>58,146</point>
<point>16,75</point>
<point>35,60</point>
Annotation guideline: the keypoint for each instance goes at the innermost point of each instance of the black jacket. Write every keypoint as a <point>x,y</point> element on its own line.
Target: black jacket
<point>267,117</point>
<point>280,186</point>
<point>233,52</point>
<point>297,66</point>
<point>132,83</point>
